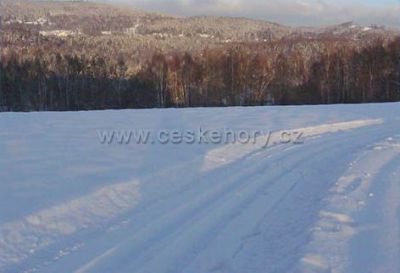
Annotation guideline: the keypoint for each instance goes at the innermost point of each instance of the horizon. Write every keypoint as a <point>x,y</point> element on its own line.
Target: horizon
<point>288,12</point>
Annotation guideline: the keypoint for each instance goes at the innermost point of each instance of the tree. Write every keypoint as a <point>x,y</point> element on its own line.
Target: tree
<point>159,69</point>
<point>188,78</point>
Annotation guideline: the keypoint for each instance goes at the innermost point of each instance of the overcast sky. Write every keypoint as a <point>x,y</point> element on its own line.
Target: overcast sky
<point>291,12</point>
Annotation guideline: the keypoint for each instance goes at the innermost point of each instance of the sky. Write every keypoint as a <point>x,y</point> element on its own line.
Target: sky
<point>289,12</point>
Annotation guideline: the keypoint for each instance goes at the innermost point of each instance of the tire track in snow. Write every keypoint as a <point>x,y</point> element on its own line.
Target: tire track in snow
<point>345,242</point>
<point>391,238</point>
<point>128,251</point>
<point>232,152</point>
<point>283,230</point>
<point>20,239</point>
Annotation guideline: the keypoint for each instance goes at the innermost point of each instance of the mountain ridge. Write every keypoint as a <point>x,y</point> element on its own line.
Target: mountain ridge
<point>95,18</point>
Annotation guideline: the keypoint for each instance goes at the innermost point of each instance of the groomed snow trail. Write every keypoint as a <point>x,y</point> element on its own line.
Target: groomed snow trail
<point>331,204</point>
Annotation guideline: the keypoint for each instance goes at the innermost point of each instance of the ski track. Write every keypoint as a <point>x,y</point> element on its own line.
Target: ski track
<point>359,228</point>
<point>18,240</point>
<point>247,210</point>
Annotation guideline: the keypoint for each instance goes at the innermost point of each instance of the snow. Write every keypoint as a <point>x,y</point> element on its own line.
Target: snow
<point>59,33</point>
<point>331,203</point>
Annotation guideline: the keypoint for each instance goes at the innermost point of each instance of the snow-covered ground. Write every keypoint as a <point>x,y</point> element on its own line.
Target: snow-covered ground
<point>69,203</point>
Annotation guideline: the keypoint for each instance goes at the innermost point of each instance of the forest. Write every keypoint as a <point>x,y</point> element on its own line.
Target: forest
<point>87,72</point>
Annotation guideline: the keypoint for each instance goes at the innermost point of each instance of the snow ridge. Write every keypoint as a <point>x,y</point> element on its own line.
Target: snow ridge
<point>22,238</point>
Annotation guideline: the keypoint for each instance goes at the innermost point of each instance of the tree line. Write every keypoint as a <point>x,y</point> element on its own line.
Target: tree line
<point>246,74</point>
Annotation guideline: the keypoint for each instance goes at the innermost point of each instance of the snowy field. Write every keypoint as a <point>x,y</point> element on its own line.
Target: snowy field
<point>69,203</point>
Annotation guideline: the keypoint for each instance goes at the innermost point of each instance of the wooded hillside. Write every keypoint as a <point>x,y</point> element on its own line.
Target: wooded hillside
<point>78,55</point>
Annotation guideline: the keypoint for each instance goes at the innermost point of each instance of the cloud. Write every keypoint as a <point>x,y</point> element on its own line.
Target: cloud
<point>291,12</point>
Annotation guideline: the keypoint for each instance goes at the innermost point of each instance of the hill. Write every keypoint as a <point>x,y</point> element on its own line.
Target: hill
<point>199,207</point>
<point>97,19</point>
<point>83,55</point>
